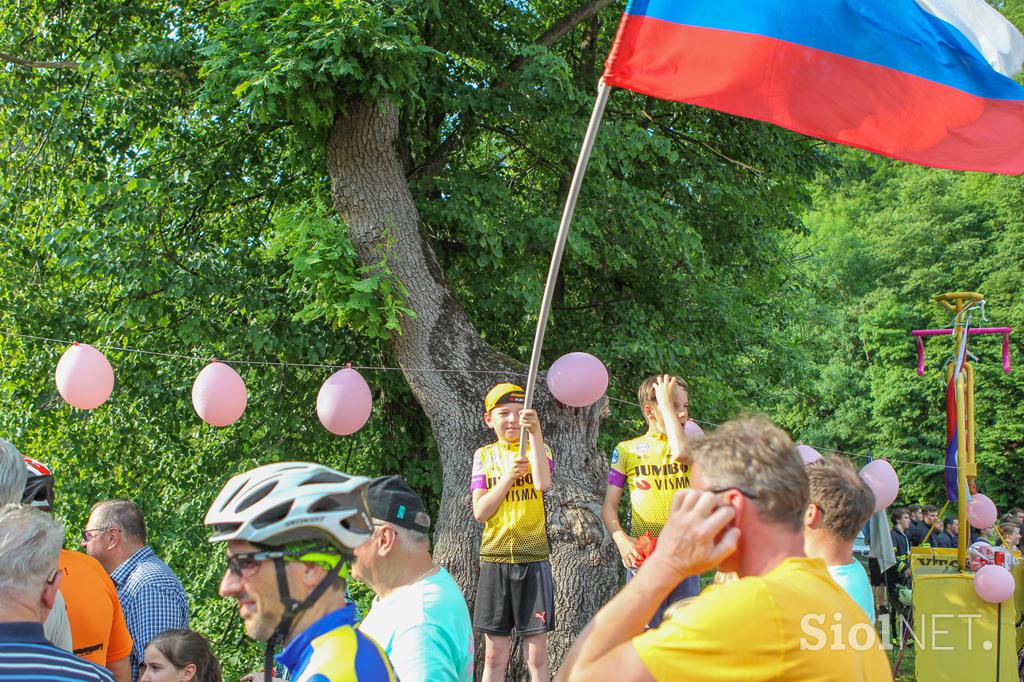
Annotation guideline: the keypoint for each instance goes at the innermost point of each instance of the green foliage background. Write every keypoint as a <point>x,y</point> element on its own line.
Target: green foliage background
<point>170,195</point>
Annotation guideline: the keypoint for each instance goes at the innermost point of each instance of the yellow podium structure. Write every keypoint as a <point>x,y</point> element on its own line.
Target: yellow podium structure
<point>958,636</point>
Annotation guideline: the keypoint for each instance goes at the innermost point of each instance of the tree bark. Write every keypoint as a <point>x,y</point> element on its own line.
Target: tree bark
<point>370,192</point>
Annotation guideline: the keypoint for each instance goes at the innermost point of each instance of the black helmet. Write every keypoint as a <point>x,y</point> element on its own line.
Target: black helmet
<point>39,487</point>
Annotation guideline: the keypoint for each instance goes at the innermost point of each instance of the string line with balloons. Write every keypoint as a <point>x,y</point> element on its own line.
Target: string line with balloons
<point>344,402</point>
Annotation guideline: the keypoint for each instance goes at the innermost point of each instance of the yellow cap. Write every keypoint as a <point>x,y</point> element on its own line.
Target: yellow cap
<point>502,394</point>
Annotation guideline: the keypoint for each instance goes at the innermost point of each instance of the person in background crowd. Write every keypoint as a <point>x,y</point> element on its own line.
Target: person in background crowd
<point>179,656</point>
<point>916,519</point>
<point>841,503</point>
<point>744,512</point>
<point>30,543</point>
<point>917,532</point>
<point>419,615</point>
<point>290,529</point>
<point>1009,534</point>
<point>13,479</point>
<point>653,473</point>
<point>898,576</point>
<point>1018,514</point>
<point>953,530</point>
<point>944,538</point>
<point>151,595</point>
<point>98,628</point>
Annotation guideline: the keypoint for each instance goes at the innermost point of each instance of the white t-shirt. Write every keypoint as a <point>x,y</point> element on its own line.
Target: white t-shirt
<point>57,627</point>
<point>425,630</point>
<point>854,579</point>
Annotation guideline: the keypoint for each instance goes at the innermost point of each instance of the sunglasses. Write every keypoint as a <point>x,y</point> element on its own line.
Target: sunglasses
<point>89,533</point>
<point>741,491</point>
<point>244,564</point>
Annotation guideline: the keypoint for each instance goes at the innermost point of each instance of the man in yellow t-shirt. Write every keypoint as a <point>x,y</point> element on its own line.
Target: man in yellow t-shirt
<point>515,590</point>
<point>653,473</point>
<point>783,619</point>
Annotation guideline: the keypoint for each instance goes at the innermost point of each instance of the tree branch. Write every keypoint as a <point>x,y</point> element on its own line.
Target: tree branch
<point>683,137</point>
<point>437,158</point>
<point>514,139</point>
<point>563,26</point>
<point>29,64</point>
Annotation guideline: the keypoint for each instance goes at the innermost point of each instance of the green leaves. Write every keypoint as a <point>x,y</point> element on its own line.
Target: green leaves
<point>301,61</point>
<point>885,238</point>
<point>326,270</point>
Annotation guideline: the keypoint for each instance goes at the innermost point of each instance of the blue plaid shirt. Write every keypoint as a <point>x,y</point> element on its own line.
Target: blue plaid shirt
<point>152,598</point>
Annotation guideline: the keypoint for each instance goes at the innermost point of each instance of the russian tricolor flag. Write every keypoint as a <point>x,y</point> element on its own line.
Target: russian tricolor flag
<point>924,81</point>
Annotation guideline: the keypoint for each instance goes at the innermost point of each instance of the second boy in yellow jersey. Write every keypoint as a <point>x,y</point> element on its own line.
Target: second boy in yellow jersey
<point>515,591</point>
<point>653,467</point>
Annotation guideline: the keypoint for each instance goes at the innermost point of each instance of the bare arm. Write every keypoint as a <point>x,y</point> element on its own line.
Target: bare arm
<point>120,669</point>
<point>691,542</point>
<point>486,502</point>
<point>663,389</point>
<point>610,515</point>
<point>538,457</point>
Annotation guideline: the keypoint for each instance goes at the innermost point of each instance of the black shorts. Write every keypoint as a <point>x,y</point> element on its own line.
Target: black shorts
<point>875,573</point>
<point>518,597</point>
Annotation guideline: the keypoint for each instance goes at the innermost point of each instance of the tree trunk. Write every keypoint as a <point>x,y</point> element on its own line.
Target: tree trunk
<point>370,192</point>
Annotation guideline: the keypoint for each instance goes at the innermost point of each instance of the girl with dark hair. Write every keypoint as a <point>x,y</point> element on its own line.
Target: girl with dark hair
<point>179,656</point>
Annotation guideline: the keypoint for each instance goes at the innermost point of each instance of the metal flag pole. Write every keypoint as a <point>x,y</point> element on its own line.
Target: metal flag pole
<point>556,256</point>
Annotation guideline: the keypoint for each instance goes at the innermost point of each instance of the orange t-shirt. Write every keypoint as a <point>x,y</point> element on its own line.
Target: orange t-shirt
<point>98,631</point>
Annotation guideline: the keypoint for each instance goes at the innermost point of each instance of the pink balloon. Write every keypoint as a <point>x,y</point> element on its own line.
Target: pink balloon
<point>883,481</point>
<point>344,402</point>
<point>219,394</point>
<point>994,584</point>
<point>692,429</point>
<point>577,379</point>
<point>981,511</point>
<point>808,453</point>
<point>84,377</point>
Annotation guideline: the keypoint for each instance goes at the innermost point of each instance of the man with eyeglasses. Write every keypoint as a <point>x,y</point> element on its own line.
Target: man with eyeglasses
<point>30,543</point>
<point>151,595</point>
<point>784,618</point>
<point>290,530</point>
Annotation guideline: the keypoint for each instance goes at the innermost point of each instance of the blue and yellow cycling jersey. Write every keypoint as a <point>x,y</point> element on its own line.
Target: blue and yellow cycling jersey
<point>331,650</point>
<point>645,465</point>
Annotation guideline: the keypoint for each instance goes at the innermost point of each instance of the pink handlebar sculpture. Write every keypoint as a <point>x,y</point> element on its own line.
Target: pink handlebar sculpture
<point>1005,331</point>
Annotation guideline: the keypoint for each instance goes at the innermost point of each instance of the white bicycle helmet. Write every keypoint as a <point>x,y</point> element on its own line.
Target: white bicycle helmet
<point>292,502</point>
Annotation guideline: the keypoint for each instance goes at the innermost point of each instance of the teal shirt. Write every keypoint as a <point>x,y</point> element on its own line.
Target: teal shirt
<point>854,579</point>
<point>425,630</point>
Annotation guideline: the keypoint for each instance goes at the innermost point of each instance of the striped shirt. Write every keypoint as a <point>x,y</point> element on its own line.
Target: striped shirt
<point>27,656</point>
<point>152,598</point>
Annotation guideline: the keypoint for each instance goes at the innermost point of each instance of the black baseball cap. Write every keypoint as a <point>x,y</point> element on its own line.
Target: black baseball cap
<point>391,499</point>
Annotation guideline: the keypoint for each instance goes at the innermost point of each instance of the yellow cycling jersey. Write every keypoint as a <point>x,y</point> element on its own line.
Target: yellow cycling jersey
<point>517,532</point>
<point>645,465</point>
<point>332,650</point>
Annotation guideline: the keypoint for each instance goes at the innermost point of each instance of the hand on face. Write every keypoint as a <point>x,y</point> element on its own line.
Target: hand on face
<point>697,536</point>
<point>670,395</point>
<point>663,386</point>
